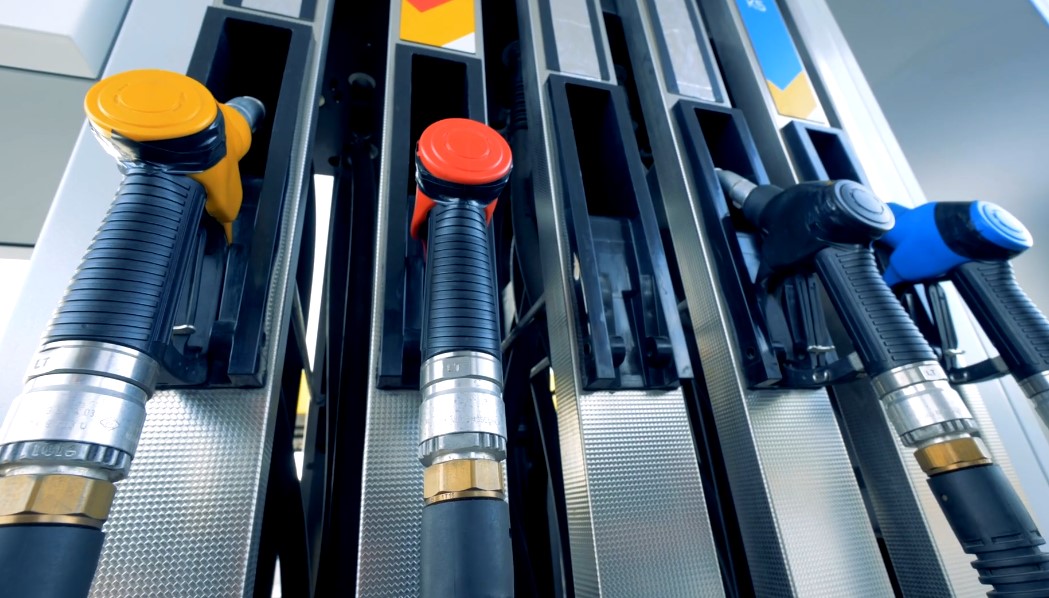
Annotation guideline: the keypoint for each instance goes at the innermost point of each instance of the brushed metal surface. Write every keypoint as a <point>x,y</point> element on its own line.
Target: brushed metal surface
<point>392,477</point>
<point>651,528</point>
<point>926,558</point>
<point>685,53</point>
<point>391,495</point>
<point>637,522</point>
<point>186,521</point>
<point>577,44</point>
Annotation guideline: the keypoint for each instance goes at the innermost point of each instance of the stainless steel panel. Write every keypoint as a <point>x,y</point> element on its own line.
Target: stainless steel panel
<point>650,525</point>
<point>391,495</point>
<point>996,405</point>
<point>186,521</point>
<point>636,513</point>
<point>926,558</point>
<point>578,45</point>
<point>288,8</point>
<point>1001,409</point>
<point>685,52</point>
<point>392,477</point>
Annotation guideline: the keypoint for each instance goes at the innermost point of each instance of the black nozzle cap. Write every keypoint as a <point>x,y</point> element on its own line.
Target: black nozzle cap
<point>864,207</point>
<point>48,560</point>
<point>466,550</point>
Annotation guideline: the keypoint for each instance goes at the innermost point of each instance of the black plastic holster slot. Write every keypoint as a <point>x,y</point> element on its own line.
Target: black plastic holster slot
<point>822,153</point>
<point>428,86</point>
<point>629,330</point>
<point>779,319</point>
<point>718,137</point>
<point>220,315</point>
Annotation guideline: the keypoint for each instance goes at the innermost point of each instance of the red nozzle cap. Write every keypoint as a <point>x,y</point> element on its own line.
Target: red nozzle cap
<point>465,152</point>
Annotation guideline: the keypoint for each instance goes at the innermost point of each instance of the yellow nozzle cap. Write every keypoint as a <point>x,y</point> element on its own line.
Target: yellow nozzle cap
<point>150,105</point>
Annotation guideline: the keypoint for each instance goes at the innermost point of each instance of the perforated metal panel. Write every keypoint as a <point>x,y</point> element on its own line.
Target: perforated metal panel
<point>186,522</point>
<point>391,500</point>
<point>646,498</point>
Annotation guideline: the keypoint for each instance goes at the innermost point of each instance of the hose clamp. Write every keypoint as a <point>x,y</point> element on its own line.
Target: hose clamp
<point>921,404</point>
<point>84,405</point>
<point>1036,388</point>
<point>462,409</point>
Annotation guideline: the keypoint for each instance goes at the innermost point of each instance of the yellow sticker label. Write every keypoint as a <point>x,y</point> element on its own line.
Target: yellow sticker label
<point>449,24</point>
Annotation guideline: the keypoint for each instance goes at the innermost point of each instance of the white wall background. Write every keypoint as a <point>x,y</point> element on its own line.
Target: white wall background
<point>964,85</point>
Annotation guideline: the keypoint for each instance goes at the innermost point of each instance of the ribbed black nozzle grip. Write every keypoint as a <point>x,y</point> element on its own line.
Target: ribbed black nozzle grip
<point>881,331</point>
<point>992,523</point>
<point>48,561</point>
<point>1014,324</point>
<point>127,285</point>
<point>466,550</point>
<point>460,311</point>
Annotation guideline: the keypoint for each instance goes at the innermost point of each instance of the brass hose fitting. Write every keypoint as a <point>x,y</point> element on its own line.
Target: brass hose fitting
<point>957,453</point>
<point>463,478</point>
<point>55,498</point>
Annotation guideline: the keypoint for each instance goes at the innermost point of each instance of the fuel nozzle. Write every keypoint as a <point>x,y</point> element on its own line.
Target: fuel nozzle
<point>73,432</point>
<point>461,168</point>
<point>970,243</point>
<point>828,228</point>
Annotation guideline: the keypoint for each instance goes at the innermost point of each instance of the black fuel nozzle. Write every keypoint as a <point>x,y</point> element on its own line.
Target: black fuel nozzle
<point>827,228</point>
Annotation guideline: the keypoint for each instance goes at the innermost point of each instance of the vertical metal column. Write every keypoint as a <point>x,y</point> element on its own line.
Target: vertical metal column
<point>794,490</point>
<point>391,504</point>
<point>637,522</point>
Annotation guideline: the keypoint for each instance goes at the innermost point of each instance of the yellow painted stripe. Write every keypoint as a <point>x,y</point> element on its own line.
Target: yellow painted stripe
<point>439,25</point>
<point>304,395</point>
<point>797,100</point>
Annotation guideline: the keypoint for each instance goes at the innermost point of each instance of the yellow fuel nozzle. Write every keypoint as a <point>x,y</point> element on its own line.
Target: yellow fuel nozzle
<point>171,122</point>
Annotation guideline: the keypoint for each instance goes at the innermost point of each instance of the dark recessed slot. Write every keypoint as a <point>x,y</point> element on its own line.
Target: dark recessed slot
<point>836,156</point>
<point>430,85</point>
<point>249,61</point>
<point>602,161</point>
<point>725,142</point>
<point>631,331</point>
<point>438,91</point>
<point>717,137</point>
<point>822,153</point>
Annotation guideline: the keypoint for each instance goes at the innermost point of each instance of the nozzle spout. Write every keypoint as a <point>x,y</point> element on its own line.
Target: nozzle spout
<point>252,109</point>
<point>737,189</point>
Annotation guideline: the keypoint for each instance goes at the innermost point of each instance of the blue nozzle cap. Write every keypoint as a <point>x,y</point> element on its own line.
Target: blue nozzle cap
<point>998,226</point>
